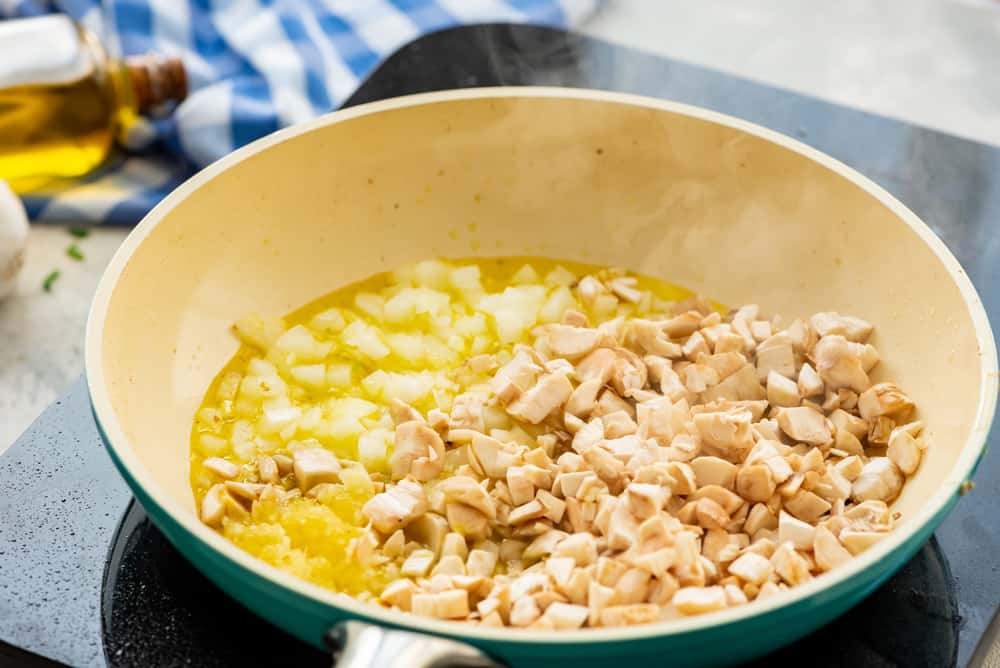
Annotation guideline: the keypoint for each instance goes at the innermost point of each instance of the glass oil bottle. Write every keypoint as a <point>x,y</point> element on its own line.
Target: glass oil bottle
<point>64,102</point>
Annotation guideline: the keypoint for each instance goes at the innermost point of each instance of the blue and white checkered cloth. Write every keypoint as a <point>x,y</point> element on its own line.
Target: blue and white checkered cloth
<point>253,66</point>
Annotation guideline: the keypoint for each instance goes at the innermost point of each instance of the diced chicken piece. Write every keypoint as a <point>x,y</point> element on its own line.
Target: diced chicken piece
<point>598,597</point>
<point>742,385</point>
<point>554,507</point>
<point>607,467</point>
<point>776,354</point>
<point>759,517</point>
<point>418,564</point>
<point>884,399</point>
<point>655,420</point>
<point>840,365</point>
<point>463,489</point>
<point>560,569</point>
<point>528,511</point>
<point>725,364</point>
<point>695,345</point>
<point>581,547</point>
<point>645,500</point>
<point>879,430</point>
<point>597,365</point>
<point>467,521</point>
<point>904,450</point>
<point>543,545</point>
<point>682,478</point>
<point>698,378</point>
<point>571,342</point>
<point>655,366</point>
<point>851,328</point>
<point>520,487</point>
<point>833,485</point>
<point>566,616</point>
<point>709,514</point>
<point>807,506</point>
<point>827,550</point>
<point>623,448</point>
<point>588,436</point>
<point>628,372</point>
<point>493,619</point>
<point>806,425</point>
<point>548,394</point>
<point>574,318</point>
<point>625,288</point>
<point>454,545</point>
<point>467,412</point>
<point>285,464</point>
<point>790,565</point>
<point>618,424</point>
<point>857,542</point>
<point>752,567</point>
<point>313,466</point>
<point>730,341</point>
<point>490,457</point>
<point>699,600</point>
<point>524,611</point>
<point>399,594</point>
<point>401,412</point>
<point>397,506</point>
<point>267,470</point>
<point>453,604</point>
<point>809,383</point>
<point>844,421</point>
<point>671,385</point>
<point>213,507</point>
<point>449,564</point>
<point>583,399</point>
<point>727,431</point>
<point>880,480</point>
<point>394,544</point>
<point>793,530</point>
<point>221,468</point>
<point>760,330</point>
<point>481,563</point>
<point>684,324</point>
<point>782,391</point>
<point>612,332</point>
<point>755,482</point>
<point>651,337</point>
<point>429,529</point>
<point>627,615</point>
<point>418,451</point>
<point>714,471</point>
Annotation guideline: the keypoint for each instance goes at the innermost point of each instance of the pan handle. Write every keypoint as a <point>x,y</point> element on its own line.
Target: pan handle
<point>359,645</point>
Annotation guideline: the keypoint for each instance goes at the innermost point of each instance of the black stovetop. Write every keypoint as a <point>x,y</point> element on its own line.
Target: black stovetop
<point>81,587</point>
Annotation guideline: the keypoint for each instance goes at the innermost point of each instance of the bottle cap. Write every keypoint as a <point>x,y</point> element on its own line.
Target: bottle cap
<point>156,81</point>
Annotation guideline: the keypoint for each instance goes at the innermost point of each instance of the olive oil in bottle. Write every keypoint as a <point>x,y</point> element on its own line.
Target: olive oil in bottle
<point>64,102</point>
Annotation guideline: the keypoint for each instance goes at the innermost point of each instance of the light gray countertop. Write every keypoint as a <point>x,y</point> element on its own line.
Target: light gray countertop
<point>929,62</point>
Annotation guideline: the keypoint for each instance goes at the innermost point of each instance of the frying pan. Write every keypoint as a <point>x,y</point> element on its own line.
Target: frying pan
<point>732,210</point>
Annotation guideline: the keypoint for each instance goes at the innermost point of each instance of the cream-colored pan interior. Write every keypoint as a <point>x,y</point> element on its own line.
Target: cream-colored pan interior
<point>697,200</point>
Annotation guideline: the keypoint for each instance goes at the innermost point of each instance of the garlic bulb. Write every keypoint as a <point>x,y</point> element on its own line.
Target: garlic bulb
<point>13,238</point>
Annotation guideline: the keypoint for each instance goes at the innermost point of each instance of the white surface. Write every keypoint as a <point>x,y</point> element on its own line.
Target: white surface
<point>931,62</point>
<point>41,333</point>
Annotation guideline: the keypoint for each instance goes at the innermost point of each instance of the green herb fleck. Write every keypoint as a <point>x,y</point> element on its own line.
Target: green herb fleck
<point>50,280</point>
<point>79,232</point>
<point>74,252</point>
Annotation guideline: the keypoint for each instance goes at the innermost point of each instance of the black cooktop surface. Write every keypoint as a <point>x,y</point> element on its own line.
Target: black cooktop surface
<point>82,588</point>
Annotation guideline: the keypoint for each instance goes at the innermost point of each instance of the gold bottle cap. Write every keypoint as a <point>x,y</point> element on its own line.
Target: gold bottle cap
<point>156,81</point>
